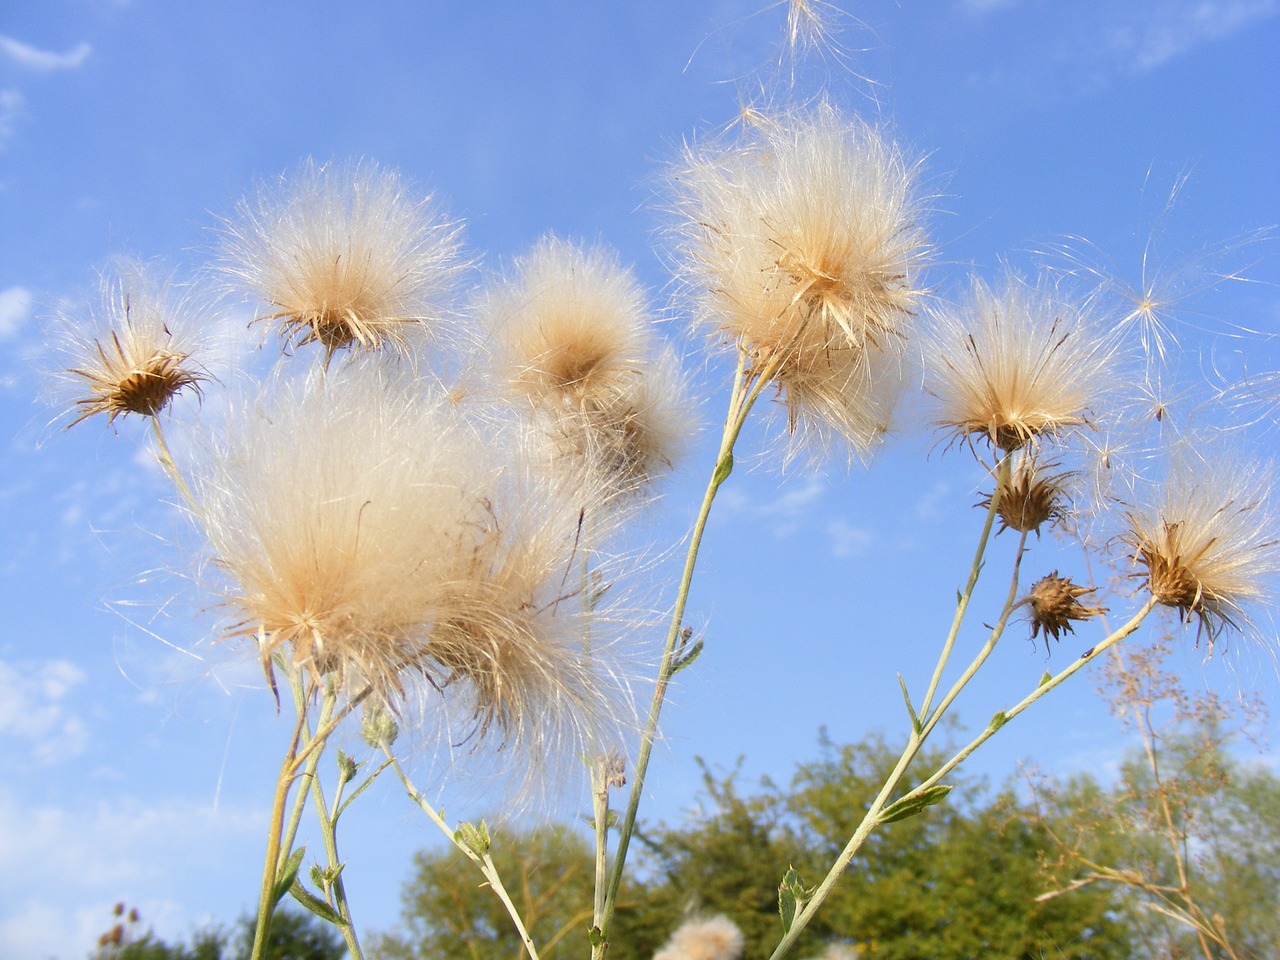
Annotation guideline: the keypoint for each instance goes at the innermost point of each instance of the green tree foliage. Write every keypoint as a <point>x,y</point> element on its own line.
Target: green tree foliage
<point>958,881</point>
<point>294,936</point>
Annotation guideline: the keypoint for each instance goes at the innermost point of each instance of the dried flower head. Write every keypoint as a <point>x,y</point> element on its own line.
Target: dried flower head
<point>344,256</point>
<point>802,243</point>
<point>139,349</point>
<point>704,938</point>
<point>1210,543</point>
<point>1017,365</point>
<point>1034,497</point>
<point>1055,603</point>
<point>575,340</point>
<point>368,535</point>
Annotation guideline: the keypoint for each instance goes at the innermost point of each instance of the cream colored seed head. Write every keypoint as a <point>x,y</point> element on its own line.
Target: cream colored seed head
<point>344,257</point>
<point>1016,365</point>
<point>137,350</point>
<point>1209,544</point>
<point>802,243</point>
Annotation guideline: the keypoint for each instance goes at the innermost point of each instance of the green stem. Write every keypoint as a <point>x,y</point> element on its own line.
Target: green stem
<point>271,862</point>
<point>336,893</point>
<point>481,860</point>
<point>1004,471</point>
<point>872,817</point>
<point>744,392</point>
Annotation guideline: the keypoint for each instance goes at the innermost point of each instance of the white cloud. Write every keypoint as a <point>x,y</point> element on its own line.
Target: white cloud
<point>1172,30</point>
<point>846,539</point>
<point>44,61</point>
<point>33,708</point>
<point>65,866</point>
<point>15,307</point>
<point>979,8</point>
<point>10,109</point>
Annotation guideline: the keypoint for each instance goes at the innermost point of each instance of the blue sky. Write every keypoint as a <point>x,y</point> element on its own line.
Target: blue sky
<point>138,760</point>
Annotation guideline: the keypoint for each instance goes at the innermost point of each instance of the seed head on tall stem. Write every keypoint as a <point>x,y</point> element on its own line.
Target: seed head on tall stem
<point>136,350</point>
<point>801,240</point>
<point>344,256</point>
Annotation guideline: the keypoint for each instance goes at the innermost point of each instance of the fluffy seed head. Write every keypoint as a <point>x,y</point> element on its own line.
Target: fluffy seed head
<point>368,535</point>
<point>137,351</point>
<point>575,341</point>
<point>343,256</point>
<point>1055,603</point>
<point>1016,365</point>
<point>1210,542</point>
<point>802,242</point>
<point>704,938</point>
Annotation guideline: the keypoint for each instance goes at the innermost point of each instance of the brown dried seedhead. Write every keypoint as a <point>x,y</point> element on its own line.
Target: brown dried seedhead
<point>1055,603</point>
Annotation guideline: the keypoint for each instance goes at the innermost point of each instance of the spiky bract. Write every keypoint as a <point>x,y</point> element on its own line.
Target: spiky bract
<point>802,242</point>
<point>344,256</point>
<point>370,536</point>
<point>136,350</point>
<point>1017,365</point>
<point>575,340</point>
<point>1055,605</point>
<point>1209,543</point>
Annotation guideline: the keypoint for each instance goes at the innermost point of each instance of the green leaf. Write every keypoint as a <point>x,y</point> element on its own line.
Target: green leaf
<point>596,936</point>
<point>723,469</point>
<point>791,895</point>
<point>997,721</point>
<point>315,904</point>
<point>476,839</point>
<point>911,805</point>
<point>287,875</point>
<point>915,719</point>
<point>694,652</point>
<point>1045,679</point>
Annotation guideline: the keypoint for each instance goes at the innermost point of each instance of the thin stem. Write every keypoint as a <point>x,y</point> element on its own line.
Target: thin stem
<point>170,467</point>
<point>481,860</point>
<point>336,892</point>
<point>271,862</point>
<point>744,392</point>
<point>1003,473</point>
<point>872,817</point>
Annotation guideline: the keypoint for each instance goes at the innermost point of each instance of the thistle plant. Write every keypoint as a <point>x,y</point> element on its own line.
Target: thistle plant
<point>434,550</point>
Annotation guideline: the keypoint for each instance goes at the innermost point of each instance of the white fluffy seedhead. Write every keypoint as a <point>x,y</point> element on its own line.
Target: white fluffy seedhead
<point>704,938</point>
<point>574,344</point>
<point>1208,542</point>
<point>344,256</point>
<point>802,242</point>
<point>1017,365</point>
<point>141,345</point>
<point>366,533</point>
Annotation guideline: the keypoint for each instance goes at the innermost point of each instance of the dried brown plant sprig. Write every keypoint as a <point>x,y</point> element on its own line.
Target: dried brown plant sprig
<point>136,350</point>
<point>1055,605</point>
<point>1017,365</point>
<point>1209,542</point>
<point>345,256</point>
<point>1035,495</point>
<point>802,240</point>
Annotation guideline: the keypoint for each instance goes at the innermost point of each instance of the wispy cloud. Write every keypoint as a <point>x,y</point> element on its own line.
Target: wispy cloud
<point>15,307</point>
<point>75,860</point>
<point>42,61</point>
<point>784,513</point>
<point>34,709</point>
<point>846,539</point>
<point>1168,31</point>
<point>10,109</point>
<point>980,8</point>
